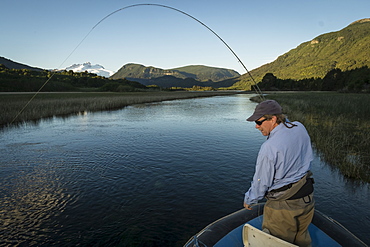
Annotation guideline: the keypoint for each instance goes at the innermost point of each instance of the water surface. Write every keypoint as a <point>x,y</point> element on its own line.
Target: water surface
<point>146,175</point>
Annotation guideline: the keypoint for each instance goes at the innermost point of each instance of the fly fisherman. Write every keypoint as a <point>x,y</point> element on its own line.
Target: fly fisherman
<point>282,175</point>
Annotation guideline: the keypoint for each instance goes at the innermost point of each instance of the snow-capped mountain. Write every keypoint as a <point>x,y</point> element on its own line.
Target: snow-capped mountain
<point>96,69</point>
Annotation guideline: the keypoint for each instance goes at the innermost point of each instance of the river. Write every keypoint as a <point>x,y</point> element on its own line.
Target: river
<point>146,175</point>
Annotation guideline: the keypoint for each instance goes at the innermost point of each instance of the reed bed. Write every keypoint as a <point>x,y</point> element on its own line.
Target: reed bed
<point>47,105</point>
<point>339,127</point>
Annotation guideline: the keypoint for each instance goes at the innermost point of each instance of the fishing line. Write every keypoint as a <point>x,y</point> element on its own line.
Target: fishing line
<point>255,86</point>
<point>257,89</point>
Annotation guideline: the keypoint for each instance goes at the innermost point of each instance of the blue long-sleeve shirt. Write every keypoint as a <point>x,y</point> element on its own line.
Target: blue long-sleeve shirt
<point>284,158</point>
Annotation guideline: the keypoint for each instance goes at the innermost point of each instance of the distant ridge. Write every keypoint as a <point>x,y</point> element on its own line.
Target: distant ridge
<point>138,71</point>
<point>14,65</point>
<point>197,72</point>
<point>361,21</point>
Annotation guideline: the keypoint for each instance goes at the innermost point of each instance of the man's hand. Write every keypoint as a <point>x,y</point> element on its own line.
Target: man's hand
<point>247,206</point>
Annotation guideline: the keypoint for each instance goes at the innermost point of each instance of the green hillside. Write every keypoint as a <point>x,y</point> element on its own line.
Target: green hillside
<point>197,72</point>
<point>205,73</point>
<point>139,71</point>
<point>347,49</point>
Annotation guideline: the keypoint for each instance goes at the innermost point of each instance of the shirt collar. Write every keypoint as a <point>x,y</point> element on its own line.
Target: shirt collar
<point>276,129</point>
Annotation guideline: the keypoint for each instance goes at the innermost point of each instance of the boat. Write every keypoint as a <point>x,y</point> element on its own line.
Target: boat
<point>243,228</point>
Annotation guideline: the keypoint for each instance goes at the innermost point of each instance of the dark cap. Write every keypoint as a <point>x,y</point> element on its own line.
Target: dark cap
<point>268,107</point>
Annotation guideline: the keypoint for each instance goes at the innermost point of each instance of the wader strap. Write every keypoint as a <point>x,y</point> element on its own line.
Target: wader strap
<point>306,189</point>
<point>292,191</point>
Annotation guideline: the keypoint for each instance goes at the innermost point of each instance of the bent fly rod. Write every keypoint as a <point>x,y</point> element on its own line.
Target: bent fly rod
<point>255,86</point>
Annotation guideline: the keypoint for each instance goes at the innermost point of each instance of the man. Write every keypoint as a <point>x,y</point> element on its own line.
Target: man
<point>282,175</point>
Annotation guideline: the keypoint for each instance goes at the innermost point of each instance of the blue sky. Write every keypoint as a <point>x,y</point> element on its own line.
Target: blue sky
<point>43,33</point>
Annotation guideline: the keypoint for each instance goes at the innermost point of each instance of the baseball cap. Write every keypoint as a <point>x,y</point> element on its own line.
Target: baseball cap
<point>267,107</point>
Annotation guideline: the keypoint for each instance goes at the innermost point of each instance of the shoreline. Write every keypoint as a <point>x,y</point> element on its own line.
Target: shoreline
<point>55,104</point>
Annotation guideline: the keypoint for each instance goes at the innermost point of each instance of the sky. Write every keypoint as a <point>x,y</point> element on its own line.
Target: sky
<point>53,34</point>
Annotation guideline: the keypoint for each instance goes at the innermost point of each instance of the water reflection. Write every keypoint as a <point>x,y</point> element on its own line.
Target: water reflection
<point>31,197</point>
<point>147,175</point>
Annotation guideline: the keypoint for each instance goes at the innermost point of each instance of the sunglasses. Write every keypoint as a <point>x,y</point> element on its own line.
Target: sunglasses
<point>260,122</point>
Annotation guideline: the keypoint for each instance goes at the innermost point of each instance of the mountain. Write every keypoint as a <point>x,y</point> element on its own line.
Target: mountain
<point>206,73</point>
<point>95,69</point>
<point>14,65</point>
<point>347,49</point>
<point>138,71</point>
<point>178,77</point>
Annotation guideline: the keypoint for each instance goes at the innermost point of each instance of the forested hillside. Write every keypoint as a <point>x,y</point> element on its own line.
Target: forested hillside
<point>356,80</point>
<point>341,51</point>
<point>206,73</point>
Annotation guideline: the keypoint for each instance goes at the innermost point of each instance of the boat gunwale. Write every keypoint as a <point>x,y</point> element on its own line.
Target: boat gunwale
<point>216,230</point>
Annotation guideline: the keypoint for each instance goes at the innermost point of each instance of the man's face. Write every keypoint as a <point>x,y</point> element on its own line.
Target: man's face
<point>265,125</point>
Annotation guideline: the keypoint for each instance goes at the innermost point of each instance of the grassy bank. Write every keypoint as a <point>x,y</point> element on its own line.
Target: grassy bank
<point>339,126</point>
<point>46,105</point>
